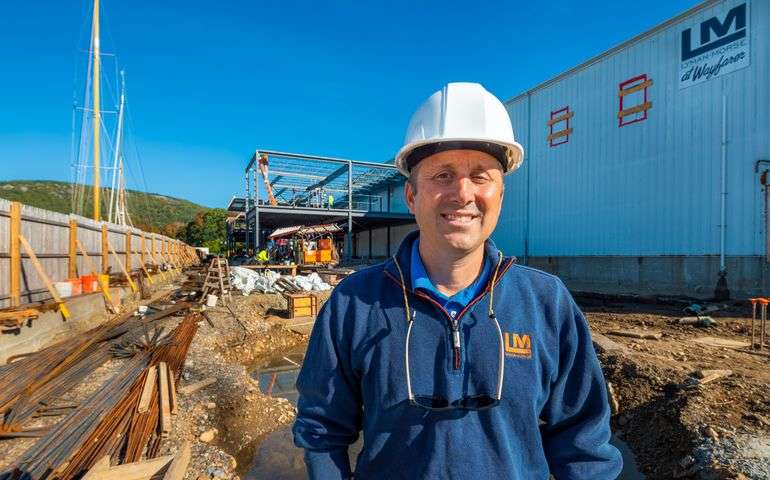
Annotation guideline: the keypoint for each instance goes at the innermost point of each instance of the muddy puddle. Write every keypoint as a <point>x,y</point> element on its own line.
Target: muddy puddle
<point>278,459</point>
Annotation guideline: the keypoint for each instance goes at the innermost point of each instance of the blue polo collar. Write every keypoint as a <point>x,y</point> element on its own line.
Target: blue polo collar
<point>457,302</point>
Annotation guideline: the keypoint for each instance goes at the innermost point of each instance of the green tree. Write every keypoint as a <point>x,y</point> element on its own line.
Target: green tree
<point>207,229</point>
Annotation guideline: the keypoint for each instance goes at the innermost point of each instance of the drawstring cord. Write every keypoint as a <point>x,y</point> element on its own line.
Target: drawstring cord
<point>410,316</point>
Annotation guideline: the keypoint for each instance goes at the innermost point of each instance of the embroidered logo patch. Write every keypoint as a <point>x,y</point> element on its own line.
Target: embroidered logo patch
<point>519,346</point>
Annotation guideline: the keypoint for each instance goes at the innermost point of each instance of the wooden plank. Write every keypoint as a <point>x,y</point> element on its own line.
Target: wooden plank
<point>172,391</point>
<point>194,387</point>
<point>86,256</point>
<point>43,276</point>
<point>635,88</point>
<point>602,344</point>
<point>147,390</point>
<point>72,263</point>
<point>636,334</point>
<point>561,118</point>
<point>556,135</point>
<point>720,342</point>
<point>105,250</point>
<point>15,270</point>
<point>165,408</point>
<point>122,268</point>
<point>141,250</point>
<point>639,108</point>
<point>129,253</point>
<point>101,465</point>
<point>19,314</point>
<point>179,465</point>
<point>143,470</point>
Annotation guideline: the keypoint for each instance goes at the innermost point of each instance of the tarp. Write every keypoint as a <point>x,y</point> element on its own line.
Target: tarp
<point>247,281</point>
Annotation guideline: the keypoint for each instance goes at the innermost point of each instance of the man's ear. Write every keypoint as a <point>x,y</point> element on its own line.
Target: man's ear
<point>409,196</point>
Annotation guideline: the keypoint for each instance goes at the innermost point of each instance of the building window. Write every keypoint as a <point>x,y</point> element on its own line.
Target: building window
<point>633,100</point>
<point>559,126</point>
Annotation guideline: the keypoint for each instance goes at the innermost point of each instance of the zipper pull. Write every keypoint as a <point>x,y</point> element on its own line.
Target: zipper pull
<point>455,338</point>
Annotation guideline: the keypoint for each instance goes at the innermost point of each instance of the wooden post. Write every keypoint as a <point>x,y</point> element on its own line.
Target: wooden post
<point>129,253</point>
<point>15,269</point>
<point>72,265</point>
<point>105,250</point>
<point>142,260</point>
<point>152,252</point>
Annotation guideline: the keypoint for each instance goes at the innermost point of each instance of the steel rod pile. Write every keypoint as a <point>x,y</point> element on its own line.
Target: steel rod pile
<point>34,382</point>
<point>110,422</point>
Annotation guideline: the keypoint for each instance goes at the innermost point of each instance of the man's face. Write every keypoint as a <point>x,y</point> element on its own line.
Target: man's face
<point>456,198</point>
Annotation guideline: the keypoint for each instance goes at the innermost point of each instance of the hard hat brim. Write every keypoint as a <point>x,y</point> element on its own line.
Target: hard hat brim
<point>509,154</point>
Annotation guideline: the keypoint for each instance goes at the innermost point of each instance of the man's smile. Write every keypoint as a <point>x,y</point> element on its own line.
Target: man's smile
<point>460,218</point>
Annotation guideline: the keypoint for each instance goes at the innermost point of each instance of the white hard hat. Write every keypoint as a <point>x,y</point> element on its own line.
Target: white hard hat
<point>460,116</point>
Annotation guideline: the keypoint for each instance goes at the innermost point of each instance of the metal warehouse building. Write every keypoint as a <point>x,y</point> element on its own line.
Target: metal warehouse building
<point>645,166</point>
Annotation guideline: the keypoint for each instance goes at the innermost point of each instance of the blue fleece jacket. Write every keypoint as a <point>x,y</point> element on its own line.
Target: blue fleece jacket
<point>553,416</point>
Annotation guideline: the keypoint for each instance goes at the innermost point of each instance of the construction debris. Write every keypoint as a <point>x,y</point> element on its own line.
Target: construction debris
<point>194,387</point>
<point>247,281</point>
<point>636,334</point>
<point>698,321</point>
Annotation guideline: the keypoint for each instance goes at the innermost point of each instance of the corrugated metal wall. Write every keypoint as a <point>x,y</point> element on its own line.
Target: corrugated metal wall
<point>653,187</point>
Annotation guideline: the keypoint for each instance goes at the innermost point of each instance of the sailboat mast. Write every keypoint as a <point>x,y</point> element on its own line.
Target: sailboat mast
<point>96,73</point>
<point>118,144</point>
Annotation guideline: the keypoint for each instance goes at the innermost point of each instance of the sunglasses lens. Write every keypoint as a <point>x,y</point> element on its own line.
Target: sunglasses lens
<point>431,403</point>
<point>478,402</point>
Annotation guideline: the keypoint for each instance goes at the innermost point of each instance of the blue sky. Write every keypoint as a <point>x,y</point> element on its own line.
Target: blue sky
<point>208,82</point>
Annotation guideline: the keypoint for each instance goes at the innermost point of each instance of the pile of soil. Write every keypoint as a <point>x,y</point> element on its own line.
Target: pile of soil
<point>676,427</point>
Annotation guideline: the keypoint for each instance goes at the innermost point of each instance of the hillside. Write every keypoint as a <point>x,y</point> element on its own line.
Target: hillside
<point>148,211</point>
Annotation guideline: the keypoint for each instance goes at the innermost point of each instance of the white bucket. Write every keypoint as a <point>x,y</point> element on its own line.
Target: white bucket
<point>64,289</point>
<point>211,300</point>
<point>142,309</point>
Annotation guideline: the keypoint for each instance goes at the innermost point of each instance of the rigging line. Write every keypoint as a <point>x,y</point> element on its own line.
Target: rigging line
<point>79,199</point>
<point>131,131</point>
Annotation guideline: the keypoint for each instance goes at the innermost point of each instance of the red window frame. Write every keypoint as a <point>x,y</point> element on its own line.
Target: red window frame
<point>626,85</point>
<point>554,142</point>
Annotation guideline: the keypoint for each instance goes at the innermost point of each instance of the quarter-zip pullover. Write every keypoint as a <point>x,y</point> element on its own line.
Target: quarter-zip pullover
<point>553,417</point>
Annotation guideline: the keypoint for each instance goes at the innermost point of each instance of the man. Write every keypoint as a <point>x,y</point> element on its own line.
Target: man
<point>454,361</point>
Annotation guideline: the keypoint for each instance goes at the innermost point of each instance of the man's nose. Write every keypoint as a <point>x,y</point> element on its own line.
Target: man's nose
<point>465,190</point>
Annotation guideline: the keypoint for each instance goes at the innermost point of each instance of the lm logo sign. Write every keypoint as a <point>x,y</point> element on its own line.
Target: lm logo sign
<point>714,47</point>
<point>519,346</point>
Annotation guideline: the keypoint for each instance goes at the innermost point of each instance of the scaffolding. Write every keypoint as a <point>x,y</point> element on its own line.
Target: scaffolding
<point>324,188</point>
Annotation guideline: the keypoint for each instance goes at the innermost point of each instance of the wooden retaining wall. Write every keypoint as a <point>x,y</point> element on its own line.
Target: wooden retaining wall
<point>53,236</point>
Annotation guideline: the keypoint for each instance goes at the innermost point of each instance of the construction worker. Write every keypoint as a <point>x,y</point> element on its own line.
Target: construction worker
<point>453,360</point>
<point>263,257</point>
<point>331,201</point>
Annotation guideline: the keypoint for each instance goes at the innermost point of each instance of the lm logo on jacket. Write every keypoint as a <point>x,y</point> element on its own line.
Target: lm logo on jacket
<point>518,345</point>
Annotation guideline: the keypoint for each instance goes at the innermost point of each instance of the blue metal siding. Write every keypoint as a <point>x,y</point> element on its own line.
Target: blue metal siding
<point>653,187</point>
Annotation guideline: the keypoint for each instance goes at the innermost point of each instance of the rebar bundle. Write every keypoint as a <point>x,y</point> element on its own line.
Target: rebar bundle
<point>109,422</point>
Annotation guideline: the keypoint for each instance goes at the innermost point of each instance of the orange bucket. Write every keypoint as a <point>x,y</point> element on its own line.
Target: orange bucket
<point>88,283</point>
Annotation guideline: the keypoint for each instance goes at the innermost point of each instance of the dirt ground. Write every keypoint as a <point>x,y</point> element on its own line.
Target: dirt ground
<point>676,427</point>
